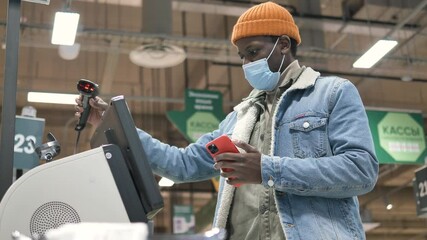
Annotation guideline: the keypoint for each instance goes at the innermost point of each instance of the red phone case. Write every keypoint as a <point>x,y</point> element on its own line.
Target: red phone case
<point>222,144</point>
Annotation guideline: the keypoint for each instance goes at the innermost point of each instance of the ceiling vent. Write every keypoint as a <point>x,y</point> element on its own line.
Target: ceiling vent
<point>157,55</point>
<point>157,20</point>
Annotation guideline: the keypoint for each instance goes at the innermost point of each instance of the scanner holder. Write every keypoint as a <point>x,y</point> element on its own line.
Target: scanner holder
<point>49,150</point>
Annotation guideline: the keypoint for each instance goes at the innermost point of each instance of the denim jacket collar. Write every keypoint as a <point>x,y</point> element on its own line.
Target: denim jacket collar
<point>307,79</point>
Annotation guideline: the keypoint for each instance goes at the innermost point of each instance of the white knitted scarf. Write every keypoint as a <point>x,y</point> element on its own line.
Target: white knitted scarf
<point>247,114</point>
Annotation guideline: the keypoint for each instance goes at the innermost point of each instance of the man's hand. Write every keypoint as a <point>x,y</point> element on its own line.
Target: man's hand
<point>246,167</point>
<point>98,107</point>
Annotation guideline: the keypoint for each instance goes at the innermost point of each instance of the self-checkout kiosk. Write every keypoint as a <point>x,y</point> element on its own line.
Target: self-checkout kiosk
<point>112,182</point>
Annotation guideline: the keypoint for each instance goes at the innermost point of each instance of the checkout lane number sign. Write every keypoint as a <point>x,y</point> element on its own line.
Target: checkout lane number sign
<point>27,129</point>
<point>420,190</point>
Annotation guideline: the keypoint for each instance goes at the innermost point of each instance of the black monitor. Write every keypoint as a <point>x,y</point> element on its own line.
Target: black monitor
<point>117,127</point>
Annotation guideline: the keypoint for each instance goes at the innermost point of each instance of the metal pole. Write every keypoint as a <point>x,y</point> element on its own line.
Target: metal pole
<point>9,95</point>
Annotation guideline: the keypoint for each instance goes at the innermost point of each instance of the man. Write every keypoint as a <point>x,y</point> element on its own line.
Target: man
<point>306,150</point>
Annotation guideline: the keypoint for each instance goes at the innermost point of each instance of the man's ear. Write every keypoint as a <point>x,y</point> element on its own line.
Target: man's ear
<point>285,44</point>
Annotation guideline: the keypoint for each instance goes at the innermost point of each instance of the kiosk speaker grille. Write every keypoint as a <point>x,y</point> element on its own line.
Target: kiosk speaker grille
<point>52,215</point>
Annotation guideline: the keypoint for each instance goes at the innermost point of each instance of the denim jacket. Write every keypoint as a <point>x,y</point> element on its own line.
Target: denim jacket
<point>322,159</point>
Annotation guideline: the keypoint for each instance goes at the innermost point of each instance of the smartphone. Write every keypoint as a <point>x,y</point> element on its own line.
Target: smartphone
<point>222,144</point>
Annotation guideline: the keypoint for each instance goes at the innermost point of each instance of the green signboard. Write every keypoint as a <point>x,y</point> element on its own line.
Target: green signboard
<point>183,219</point>
<point>27,129</point>
<point>398,137</point>
<point>202,114</point>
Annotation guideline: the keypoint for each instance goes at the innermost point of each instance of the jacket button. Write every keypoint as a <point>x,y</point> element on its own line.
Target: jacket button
<point>306,125</point>
<point>270,183</point>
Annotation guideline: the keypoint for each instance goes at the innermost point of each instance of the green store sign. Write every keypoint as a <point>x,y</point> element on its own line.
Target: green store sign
<point>398,137</point>
<point>203,113</point>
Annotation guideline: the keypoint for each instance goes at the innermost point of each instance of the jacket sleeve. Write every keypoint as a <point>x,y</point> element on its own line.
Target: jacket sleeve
<point>351,170</point>
<point>189,164</point>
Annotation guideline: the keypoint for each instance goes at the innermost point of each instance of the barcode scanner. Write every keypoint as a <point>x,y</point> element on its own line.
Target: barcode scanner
<point>88,90</point>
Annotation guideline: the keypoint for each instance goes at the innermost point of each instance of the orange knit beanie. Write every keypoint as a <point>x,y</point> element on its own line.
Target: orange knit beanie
<point>265,19</point>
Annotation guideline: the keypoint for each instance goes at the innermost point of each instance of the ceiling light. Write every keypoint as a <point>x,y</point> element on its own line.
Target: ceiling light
<point>375,53</point>
<point>157,56</point>
<point>387,203</point>
<point>56,98</point>
<point>165,182</point>
<point>65,28</point>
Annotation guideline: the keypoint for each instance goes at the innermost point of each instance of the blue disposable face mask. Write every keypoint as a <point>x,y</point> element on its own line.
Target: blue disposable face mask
<point>260,76</point>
